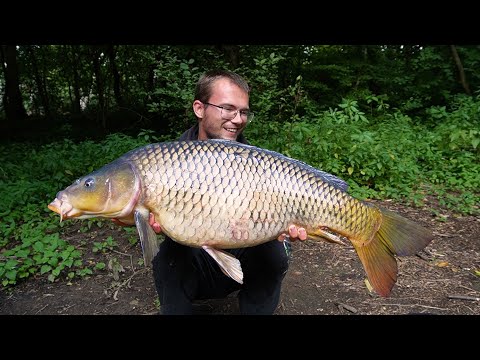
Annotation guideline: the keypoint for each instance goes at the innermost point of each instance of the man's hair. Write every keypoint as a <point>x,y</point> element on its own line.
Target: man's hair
<point>203,90</point>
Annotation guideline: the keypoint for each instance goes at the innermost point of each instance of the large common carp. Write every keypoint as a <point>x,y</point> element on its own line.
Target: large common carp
<point>220,194</point>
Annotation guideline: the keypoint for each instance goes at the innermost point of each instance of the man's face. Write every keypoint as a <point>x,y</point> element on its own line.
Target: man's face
<point>211,124</point>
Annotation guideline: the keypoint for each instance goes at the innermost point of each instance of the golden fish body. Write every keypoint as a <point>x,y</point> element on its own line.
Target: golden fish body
<point>220,194</point>
<point>231,195</point>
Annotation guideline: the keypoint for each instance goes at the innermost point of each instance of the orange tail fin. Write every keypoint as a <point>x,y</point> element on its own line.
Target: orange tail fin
<point>396,236</point>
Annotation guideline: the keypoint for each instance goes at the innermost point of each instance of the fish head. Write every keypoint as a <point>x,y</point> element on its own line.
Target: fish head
<point>110,192</point>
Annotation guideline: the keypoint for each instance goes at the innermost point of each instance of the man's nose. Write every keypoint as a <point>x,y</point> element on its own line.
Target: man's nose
<point>237,119</point>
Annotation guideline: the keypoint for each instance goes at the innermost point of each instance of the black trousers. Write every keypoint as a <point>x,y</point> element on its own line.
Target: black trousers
<point>183,274</point>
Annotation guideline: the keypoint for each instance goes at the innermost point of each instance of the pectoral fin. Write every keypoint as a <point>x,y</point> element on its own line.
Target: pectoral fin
<point>148,237</point>
<point>228,263</point>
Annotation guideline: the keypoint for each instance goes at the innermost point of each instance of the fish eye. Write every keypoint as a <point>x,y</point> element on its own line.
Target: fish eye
<point>89,182</point>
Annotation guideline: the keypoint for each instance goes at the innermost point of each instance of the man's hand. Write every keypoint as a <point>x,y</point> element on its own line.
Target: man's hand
<point>294,233</point>
<point>155,226</point>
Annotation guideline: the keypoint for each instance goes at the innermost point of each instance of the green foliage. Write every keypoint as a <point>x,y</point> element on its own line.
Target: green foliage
<point>132,235</point>
<point>37,252</point>
<point>100,266</point>
<point>348,113</point>
<point>71,79</point>
<point>262,78</point>
<point>173,93</point>
<point>116,267</point>
<point>103,246</point>
<point>458,130</point>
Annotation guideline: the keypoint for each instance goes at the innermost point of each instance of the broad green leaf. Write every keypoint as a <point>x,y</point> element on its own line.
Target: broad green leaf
<point>45,268</point>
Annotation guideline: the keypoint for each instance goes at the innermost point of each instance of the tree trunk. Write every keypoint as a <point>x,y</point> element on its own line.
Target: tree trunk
<point>362,51</point>
<point>71,53</point>
<point>151,83</point>
<point>116,76</point>
<point>12,98</point>
<point>232,53</point>
<point>39,80</point>
<point>96,52</point>
<point>460,69</point>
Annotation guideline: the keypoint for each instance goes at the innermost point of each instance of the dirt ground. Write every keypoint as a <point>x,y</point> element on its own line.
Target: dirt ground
<point>323,278</point>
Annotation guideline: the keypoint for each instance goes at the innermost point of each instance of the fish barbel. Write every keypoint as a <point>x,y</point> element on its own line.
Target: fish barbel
<point>221,194</point>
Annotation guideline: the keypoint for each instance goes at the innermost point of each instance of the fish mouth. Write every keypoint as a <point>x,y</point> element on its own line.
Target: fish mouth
<point>64,208</point>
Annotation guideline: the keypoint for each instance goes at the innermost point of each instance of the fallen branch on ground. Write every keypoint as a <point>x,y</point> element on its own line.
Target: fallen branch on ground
<point>464,297</point>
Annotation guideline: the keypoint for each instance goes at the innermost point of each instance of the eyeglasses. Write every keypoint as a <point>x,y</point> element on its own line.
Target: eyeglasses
<point>229,113</point>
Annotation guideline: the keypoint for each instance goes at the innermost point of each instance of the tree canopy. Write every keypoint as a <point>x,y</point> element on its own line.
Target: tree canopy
<point>90,90</point>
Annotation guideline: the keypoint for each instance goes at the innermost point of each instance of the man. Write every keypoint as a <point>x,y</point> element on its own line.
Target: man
<point>183,274</point>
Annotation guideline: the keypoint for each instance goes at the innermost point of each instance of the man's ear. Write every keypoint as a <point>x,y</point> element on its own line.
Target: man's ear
<point>198,108</point>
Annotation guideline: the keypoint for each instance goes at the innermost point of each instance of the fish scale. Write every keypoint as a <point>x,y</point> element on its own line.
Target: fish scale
<point>220,194</point>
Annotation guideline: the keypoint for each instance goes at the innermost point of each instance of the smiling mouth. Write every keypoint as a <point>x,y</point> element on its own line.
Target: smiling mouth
<point>234,131</point>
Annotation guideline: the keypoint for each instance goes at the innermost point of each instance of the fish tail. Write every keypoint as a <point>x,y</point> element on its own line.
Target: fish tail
<point>395,236</point>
